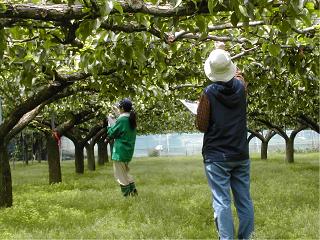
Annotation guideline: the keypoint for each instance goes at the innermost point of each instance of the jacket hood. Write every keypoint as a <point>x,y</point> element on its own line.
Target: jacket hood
<point>228,93</point>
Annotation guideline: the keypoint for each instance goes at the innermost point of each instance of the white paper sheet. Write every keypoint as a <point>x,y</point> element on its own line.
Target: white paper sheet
<point>111,120</point>
<point>192,106</point>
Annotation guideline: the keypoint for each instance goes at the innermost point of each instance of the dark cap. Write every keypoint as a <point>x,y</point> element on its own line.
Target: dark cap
<point>126,104</point>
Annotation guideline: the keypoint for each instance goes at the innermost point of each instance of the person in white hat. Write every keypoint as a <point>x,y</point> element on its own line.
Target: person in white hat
<point>222,117</point>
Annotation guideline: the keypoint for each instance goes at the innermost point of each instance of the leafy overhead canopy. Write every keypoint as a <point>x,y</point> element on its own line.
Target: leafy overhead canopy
<point>153,51</point>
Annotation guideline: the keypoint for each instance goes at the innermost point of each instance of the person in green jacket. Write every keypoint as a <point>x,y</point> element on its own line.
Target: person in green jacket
<point>124,134</point>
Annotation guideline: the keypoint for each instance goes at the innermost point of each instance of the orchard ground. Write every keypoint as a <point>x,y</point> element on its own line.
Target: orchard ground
<point>174,201</point>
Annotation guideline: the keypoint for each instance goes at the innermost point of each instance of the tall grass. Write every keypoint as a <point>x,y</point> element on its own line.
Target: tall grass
<point>174,201</point>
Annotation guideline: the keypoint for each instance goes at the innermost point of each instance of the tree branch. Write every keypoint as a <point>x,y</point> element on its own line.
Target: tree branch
<point>270,135</point>
<point>297,130</point>
<point>25,40</point>
<point>251,136</point>
<point>63,12</point>
<point>96,137</point>
<point>74,120</point>
<point>74,134</point>
<point>209,37</point>
<point>277,129</point>
<point>257,134</point>
<point>244,52</point>
<point>61,81</point>
<point>309,122</point>
<point>304,31</point>
<point>29,116</point>
<point>181,34</point>
<point>187,85</point>
<point>7,22</point>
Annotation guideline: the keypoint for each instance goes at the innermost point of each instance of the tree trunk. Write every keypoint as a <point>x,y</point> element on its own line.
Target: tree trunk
<point>39,149</point>
<point>290,143</point>
<point>25,149</point>
<point>36,147</point>
<point>102,153</point>
<point>265,143</point>
<point>43,153</point>
<point>90,157</point>
<point>53,160</point>
<point>264,149</point>
<point>250,138</point>
<point>5,178</point>
<point>79,158</point>
<point>290,150</point>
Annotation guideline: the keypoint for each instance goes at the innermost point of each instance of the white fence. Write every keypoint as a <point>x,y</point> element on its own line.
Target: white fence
<point>191,144</point>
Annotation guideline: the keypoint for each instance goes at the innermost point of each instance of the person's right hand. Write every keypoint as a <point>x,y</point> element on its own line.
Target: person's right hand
<point>111,119</point>
<point>219,45</point>
<point>115,110</point>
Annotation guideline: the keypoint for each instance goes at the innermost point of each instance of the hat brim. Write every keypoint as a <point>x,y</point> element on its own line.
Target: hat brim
<point>220,77</point>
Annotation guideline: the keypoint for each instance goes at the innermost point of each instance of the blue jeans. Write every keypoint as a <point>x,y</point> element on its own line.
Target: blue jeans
<point>221,177</point>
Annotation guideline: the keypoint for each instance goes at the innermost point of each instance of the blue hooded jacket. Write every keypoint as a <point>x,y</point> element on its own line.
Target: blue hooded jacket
<point>226,137</point>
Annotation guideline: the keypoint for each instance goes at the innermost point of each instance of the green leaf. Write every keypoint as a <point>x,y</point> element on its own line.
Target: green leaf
<point>306,17</point>
<point>27,74</point>
<point>198,57</point>
<point>243,11</point>
<point>3,8</point>
<point>201,23</point>
<point>234,19</point>
<point>310,5</point>
<point>274,49</point>
<point>128,53</point>
<point>118,7</point>
<point>264,47</point>
<point>211,5</point>
<point>106,8</point>
<point>85,29</point>
<point>284,26</point>
<point>195,2</point>
<point>71,2</point>
<point>221,3</point>
<point>141,58</point>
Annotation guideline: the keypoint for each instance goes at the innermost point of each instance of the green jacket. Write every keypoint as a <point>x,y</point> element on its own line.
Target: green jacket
<point>125,139</point>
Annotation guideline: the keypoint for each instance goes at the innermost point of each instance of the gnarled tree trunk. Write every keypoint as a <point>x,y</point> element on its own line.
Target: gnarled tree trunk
<point>290,150</point>
<point>79,158</point>
<point>264,150</point>
<point>265,143</point>
<point>102,152</point>
<point>290,143</point>
<point>53,159</point>
<point>5,178</point>
<point>90,157</point>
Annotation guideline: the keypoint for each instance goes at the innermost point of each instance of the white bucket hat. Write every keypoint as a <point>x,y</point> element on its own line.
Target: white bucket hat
<point>219,66</point>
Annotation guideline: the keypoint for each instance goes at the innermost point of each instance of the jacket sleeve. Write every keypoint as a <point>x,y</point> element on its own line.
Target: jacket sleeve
<point>239,76</point>
<point>203,114</point>
<point>116,130</point>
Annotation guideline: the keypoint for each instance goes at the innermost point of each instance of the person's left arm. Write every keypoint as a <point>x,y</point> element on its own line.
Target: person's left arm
<point>239,76</point>
<point>203,114</point>
<point>116,130</point>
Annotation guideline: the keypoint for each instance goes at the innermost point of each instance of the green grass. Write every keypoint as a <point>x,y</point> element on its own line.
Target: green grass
<point>174,201</point>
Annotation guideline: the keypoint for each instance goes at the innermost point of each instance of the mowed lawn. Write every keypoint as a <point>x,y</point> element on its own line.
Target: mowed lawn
<point>174,201</point>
